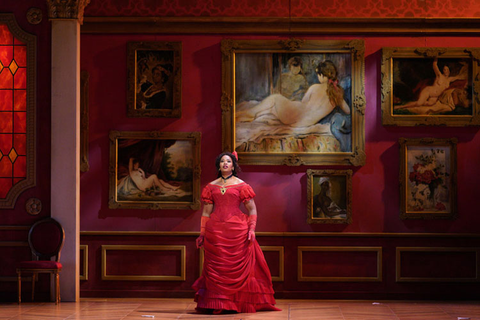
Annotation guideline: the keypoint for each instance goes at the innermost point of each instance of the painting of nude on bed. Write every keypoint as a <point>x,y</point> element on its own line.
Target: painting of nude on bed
<point>432,86</point>
<point>154,173</point>
<point>290,102</point>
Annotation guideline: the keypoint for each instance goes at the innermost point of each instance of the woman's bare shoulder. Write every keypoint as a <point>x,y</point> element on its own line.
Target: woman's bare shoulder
<point>216,182</point>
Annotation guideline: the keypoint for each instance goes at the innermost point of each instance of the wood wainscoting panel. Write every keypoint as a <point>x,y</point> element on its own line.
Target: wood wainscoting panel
<point>340,264</point>
<point>138,263</point>
<point>437,264</point>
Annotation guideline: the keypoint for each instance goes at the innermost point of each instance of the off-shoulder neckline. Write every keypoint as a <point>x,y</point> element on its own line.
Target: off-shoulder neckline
<point>231,185</point>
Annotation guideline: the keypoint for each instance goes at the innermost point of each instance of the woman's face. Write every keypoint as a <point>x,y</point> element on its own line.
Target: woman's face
<point>446,71</point>
<point>157,76</point>
<point>226,165</point>
<point>295,69</point>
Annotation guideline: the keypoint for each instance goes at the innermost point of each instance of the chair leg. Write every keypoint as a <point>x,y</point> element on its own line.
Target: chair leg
<point>34,278</point>
<point>57,288</point>
<point>19,282</point>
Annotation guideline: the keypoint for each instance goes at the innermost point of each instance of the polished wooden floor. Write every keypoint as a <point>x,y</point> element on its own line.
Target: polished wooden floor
<point>117,309</point>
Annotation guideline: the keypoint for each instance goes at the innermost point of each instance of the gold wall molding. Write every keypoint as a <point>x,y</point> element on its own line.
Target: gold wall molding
<point>377,250</point>
<point>281,261</point>
<point>182,270</point>
<point>66,9</point>
<point>287,234</point>
<point>398,264</point>
<point>84,253</point>
<point>286,25</point>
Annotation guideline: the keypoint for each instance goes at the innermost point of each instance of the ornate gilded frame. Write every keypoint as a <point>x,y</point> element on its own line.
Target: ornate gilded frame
<point>152,201</point>
<point>341,180</point>
<point>167,55</point>
<point>394,75</point>
<point>30,41</point>
<point>356,51</point>
<point>427,200</point>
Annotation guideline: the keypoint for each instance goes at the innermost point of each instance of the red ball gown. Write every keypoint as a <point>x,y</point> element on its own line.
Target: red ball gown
<point>235,274</point>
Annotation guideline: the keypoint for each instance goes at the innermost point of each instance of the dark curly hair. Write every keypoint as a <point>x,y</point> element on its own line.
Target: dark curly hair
<point>236,167</point>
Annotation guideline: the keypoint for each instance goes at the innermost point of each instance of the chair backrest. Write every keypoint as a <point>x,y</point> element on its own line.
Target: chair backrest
<point>46,238</point>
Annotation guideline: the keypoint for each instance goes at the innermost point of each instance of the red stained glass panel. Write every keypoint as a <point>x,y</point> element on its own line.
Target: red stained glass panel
<point>6,55</point>
<point>20,54</point>
<point>20,122</point>
<point>16,41</point>
<point>5,167</point>
<point>6,79</point>
<point>17,180</point>
<point>20,144</point>
<point>20,167</point>
<point>6,101</point>
<point>6,123</point>
<point>20,100</point>
<point>5,36</point>
<point>5,143</point>
<point>21,78</point>
<point>5,186</point>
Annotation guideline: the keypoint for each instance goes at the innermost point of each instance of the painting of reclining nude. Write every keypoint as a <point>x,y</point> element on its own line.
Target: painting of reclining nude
<point>429,87</point>
<point>295,102</point>
<point>154,172</point>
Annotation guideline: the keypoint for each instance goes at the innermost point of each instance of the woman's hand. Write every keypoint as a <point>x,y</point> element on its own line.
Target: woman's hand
<point>199,241</point>
<point>251,236</point>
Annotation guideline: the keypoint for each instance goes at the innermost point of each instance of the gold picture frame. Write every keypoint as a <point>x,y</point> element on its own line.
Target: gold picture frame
<point>329,196</point>
<point>154,73</point>
<point>428,178</point>
<point>430,86</point>
<point>154,170</point>
<point>285,71</point>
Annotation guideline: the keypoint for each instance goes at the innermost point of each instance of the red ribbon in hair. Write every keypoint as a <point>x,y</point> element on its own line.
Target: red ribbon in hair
<point>235,154</point>
<point>334,83</point>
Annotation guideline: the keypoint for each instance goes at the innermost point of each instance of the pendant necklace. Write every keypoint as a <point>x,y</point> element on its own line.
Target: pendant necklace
<point>223,189</point>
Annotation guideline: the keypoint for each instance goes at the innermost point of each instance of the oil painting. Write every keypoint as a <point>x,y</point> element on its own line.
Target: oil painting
<point>154,79</point>
<point>428,178</point>
<point>300,105</point>
<point>155,170</point>
<point>431,86</point>
<point>329,195</point>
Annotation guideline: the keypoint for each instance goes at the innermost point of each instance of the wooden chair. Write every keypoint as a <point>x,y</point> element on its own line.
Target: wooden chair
<point>45,239</point>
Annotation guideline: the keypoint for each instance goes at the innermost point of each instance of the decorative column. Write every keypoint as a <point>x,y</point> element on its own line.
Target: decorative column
<point>66,17</point>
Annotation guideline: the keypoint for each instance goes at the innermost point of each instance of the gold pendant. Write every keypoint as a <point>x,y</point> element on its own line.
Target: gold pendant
<point>223,190</point>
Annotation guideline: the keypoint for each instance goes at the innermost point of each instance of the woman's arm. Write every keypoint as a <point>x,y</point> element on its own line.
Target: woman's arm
<point>251,207</point>
<point>207,209</point>
<point>130,165</point>
<point>344,106</point>
<point>435,67</point>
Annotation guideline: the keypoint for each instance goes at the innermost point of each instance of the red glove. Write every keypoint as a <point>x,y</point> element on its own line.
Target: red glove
<point>201,238</point>
<point>252,223</point>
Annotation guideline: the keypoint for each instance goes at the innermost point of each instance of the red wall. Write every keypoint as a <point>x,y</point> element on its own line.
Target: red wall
<point>281,190</point>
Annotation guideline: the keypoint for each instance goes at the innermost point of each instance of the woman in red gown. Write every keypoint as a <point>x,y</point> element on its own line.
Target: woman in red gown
<point>235,274</point>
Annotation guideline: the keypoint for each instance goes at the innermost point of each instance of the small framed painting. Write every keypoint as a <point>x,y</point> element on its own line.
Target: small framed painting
<point>329,196</point>
<point>430,86</point>
<point>154,79</point>
<point>428,171</point>
<point>154,170</point>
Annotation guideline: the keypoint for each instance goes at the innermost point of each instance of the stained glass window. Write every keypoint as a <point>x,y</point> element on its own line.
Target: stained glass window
<point>13,111</point>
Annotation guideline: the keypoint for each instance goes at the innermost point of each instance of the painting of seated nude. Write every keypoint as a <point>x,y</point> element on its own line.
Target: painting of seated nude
<point>294,102</point>
<point>429,86</point>
<point>154,170</point>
